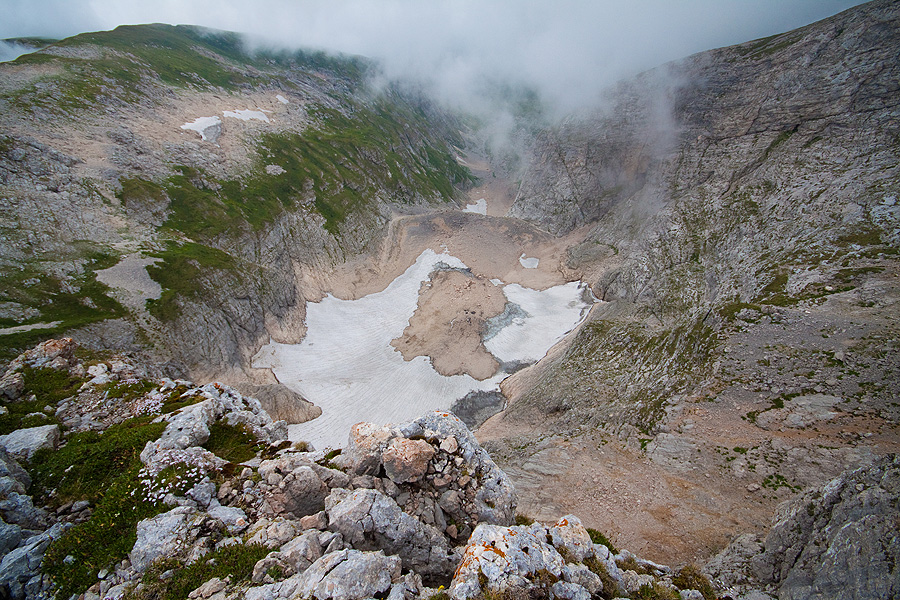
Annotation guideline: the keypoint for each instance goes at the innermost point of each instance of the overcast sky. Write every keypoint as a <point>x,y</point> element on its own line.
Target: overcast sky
<point>569,49</point>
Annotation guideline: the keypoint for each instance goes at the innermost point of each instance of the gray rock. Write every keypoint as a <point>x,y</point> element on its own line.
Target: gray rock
<point>281,402</point>
<point>167,535</point>
<point>569,591</point>
<point>840,540</point>
<point>18,509</point>
<point>10,537</point>
<point>510,557</point>
<point>300,493</point>
<point>10,467</point>
<point>370,520</point>
<point>23,443</point>
<point>495,497</point>
<point>19,567</point>
<point>836,541</point>
<point>302,551</point>
<point>234,519</point>
<point>349,575</point>
<point>570,536</point>
<point>12,385</point>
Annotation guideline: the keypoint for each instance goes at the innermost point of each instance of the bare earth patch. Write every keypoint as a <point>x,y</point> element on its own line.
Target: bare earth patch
<point>448,324</point>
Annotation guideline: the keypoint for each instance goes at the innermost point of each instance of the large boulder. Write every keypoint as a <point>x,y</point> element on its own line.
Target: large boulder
<point>369,520</point>
<point>166,535</point>
<point>298,492</point>
<point>348,575</point>
<point>444,476</point>
<point>23,443</point>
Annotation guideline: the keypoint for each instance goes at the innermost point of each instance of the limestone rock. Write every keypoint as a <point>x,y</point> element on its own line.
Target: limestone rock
<point>840,540</point>
<point>836,541</point>
<point>165,535</point>
<point>12,385</point>
<point>406,460</point>
<point>510,557</point>
<point>369,520</point>
<point>19,509</point>
<point>349,575</point>
<point>23,443</point>
<point>494,498</point>
<point>21,565</point>
<point>570,536</point>
<point>302,551</point>
<point>300,493</point>
<point>10,467</point>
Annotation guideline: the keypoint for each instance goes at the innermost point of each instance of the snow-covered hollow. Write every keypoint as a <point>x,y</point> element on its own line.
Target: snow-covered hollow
<point>346,364</point>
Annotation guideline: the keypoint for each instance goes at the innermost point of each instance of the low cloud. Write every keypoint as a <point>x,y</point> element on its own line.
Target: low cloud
<point>568,50</point>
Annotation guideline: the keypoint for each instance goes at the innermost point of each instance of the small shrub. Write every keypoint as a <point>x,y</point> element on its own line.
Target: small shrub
<point>233,443</point>
<point>524,520</point>
<point>690,578</point>
<point>655,592</point>
<point>610,587</point>
<point>597,537</point>
<point>630,564</point>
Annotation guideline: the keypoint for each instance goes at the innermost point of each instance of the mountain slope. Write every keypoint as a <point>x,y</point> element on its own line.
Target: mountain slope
<point>303,166</point>
<point>737,211</point>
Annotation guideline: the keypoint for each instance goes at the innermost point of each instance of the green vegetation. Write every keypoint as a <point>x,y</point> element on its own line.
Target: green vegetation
<point>523,520</point>
<point>49,386</point>
<point>597,537</point>
<point>234,443</point>
<point>90,462</point>
<point>25,414</point>
<point>81,470</point>
<point>127,391</point>
<point>180,275</point>
<point>655,592</point>
<point>236,561</point>
<point>74,302</point>
<point>598,568</point>
<point>690,578</point>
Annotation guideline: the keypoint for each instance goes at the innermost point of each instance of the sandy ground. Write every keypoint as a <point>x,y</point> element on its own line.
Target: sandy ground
<point>448,324</point>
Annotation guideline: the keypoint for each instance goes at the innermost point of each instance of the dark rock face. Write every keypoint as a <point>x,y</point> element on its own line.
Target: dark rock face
<point>712,123</point>
<point>836,541</point>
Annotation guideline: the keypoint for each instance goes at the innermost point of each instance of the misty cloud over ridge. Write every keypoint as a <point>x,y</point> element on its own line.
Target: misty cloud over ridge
<point>568,50</point>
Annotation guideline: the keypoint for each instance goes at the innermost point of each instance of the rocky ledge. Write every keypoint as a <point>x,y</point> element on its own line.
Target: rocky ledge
<point>417,510</point>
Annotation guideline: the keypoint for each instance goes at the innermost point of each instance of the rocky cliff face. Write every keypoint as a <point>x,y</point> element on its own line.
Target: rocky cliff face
<point>737,213</point>
<point>759,177</point>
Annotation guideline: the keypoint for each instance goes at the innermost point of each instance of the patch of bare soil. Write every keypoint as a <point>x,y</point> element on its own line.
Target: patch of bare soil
<point>448,324</point>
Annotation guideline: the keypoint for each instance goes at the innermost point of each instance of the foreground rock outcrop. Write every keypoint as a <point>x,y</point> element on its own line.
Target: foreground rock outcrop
<point>837,541</point>
<point>414,510</point>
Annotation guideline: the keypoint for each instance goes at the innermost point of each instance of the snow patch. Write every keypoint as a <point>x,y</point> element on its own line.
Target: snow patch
<point>346,364</point>
<point>282,99</point>
<point>479,208</point>
<point>529,263</point>
<point>246,115</point>
<point>202,125</point>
